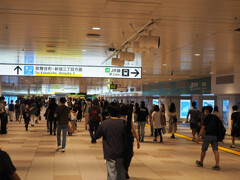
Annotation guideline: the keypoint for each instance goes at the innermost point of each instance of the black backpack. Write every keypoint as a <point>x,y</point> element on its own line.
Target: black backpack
<point>220,129</point>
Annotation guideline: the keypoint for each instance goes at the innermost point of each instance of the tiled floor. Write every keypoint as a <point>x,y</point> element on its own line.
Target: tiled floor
<point>34,156</point>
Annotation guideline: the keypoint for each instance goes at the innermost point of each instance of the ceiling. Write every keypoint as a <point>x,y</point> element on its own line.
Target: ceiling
<point>186,28</point>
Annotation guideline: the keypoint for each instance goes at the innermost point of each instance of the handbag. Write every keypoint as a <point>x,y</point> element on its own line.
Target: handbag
<point>175,119</point>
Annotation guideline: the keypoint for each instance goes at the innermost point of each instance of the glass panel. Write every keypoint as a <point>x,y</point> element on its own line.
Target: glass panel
<point>208,103</point>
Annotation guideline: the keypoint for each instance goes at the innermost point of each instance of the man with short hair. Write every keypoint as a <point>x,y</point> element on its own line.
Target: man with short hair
<point>112,131</point>
<point>194,119</point>
<point>210,125</point>
<point>95,116</point>
<point>62,114</point>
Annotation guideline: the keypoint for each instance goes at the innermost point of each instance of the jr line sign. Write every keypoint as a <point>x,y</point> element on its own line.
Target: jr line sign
<point>71,71</point>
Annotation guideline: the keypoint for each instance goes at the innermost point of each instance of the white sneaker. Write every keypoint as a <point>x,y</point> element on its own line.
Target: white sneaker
<point>59,147</point>
<point>63,150</point>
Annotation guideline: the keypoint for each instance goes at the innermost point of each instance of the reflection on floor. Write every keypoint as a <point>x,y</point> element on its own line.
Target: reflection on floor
<point>35,158</point>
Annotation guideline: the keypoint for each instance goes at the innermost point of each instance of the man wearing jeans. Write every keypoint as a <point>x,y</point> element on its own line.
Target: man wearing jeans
<point>142,114</point>
<point>62,114</point>
<point>211,129</point>
<point>112,131</point>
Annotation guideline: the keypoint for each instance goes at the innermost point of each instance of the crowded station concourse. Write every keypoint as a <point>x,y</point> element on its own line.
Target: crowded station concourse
<point>110,89</point>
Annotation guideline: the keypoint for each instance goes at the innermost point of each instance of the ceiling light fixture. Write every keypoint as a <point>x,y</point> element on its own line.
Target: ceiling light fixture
<point>164,64</point>
<point>211,73</point>
<point>84,50</point>
<point>96,28</point>
<point>170,79</point>
<point>197,54</point>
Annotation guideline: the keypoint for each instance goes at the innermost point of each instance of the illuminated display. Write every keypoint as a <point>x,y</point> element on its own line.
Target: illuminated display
<point>208,103</point>
<point>184,107</point>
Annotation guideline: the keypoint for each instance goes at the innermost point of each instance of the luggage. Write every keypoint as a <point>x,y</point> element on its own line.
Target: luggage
<point>72,128</point>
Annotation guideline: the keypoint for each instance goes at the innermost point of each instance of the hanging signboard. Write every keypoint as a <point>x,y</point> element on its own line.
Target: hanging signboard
<point>71,71</point>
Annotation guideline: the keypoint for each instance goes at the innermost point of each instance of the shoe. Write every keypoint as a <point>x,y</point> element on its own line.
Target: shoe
<point>161,139</point>
<point>54,133</point>
<point>155,139</point>
<point>142,140</point>
<point>32,125</point>
<point>63,150</point>
<point>199,164</point>
<point>59,147</point>
<point>127,176</point>
<point>217,168</point>
<point>232,146</point>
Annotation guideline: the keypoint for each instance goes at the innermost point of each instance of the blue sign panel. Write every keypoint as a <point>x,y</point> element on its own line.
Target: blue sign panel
<point>29,70</point>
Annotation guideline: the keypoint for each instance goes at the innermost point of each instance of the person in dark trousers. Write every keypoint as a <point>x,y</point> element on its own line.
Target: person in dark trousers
<point>194,119</point>
<point>11,111</point>
<point>142,115</point>
<point>17,110</point>
<point>211,129</point>
<point>3,116</point>
<point>172,120</point>
<point>26,115</point>
<point>112,131</point>
<point>235,125</point>
<point>62,114</point>
<point>95,117</point>
<point>50,116</point>
<point>7,169</point>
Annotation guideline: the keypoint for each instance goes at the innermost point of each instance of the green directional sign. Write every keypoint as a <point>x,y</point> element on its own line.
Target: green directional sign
<point>107,70</point>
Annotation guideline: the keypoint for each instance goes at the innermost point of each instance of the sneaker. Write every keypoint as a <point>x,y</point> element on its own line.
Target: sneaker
<point>59,147</point>
<point>63,150</point>
<point>217,168</point>
<point>199,164</point>
<point>155,140</point>
<point>232,146</point>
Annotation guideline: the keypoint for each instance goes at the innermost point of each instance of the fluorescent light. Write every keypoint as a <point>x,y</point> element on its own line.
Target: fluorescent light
<point>84,50</point>
<point>211,73</point>
<point>197,54</point>
<point>164,64</point>
<point>170,79</point>
<point>144,71</point>
<point>96,28</point>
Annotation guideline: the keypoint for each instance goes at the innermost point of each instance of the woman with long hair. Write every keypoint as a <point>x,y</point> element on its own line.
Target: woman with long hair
<point>172,120</point>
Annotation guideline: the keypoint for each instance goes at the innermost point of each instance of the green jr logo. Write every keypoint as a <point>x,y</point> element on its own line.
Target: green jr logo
<point>107,70</point>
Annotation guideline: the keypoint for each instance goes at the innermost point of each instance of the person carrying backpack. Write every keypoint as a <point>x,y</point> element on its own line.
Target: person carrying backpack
<point>211,126</point>
<point>94,114</point>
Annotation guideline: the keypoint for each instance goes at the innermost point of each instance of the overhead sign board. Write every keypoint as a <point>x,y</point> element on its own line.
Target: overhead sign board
<point>71,71</point>
<point>112,86</point>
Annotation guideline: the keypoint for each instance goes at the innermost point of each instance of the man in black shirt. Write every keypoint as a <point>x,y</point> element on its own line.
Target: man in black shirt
<point>11,111</point>
<point>7,169</point>
<point>142,114</point>
<point>235,125</point>
<point>112,131</point>
<point>211,129</point>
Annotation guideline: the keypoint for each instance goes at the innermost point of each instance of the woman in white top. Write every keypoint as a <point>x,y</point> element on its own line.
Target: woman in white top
<point>156,121</point>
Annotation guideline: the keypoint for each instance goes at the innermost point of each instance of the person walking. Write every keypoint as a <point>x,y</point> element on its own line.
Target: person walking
<point>94,114</point>
<point>217,113</point>
<point>172,120</point>
<point>156,121</point>
<point>26,115</point>
<point>142,115</point>
<point>235,125</point>
<point>62,114</point>
<point>50,116</point>
<point>17,110</point>
<point>11,111</point>
<point>32,111</point>
<point>112,131</point>
<point>210,126</point>
<point>194,119</point>
<point>3,116</point>
<point>151,122</point>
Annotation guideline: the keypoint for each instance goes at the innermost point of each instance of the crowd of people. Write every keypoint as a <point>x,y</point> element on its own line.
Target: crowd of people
<point>119,124</point>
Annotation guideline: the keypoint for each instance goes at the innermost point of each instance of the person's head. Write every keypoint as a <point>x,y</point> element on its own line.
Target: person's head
<point>113,109</point>
<point>215,109</point>
<point>156,108</point>
<point>208,110</point>
<point>142,104</point>
<point>162,106</point>
<point>2,98</point>
<point>53,100</point>
<point>62,100</point>
<point>11,101</point>
<point>95,103</point>
<point>17,102</point>
<point>136,105</point>
<point>203,109</point>
<point>235,108</point>
<point>172,108</point>
<point>194,104</point>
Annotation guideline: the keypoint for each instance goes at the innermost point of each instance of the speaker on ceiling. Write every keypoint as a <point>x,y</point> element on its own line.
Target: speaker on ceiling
<point>127,56</point>
<point>149,41</point>
<point>117,62</point>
